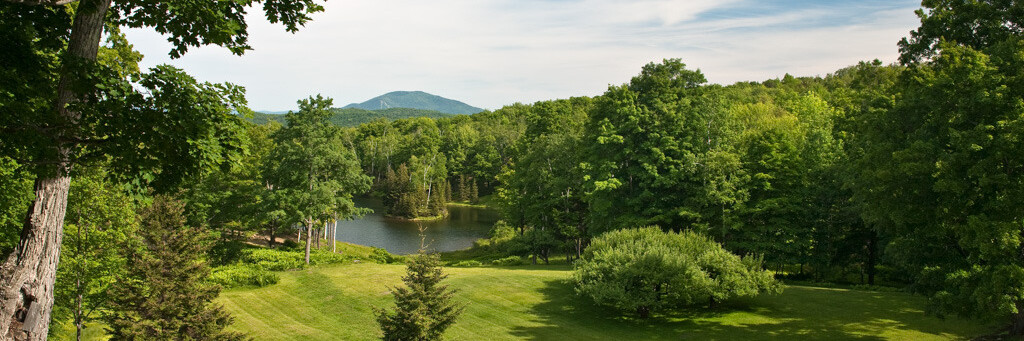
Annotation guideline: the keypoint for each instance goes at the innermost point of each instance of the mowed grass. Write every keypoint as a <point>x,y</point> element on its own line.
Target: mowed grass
<point>538,303</point>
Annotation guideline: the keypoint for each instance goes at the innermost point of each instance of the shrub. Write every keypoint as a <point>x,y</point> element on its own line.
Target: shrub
<point>468,263</point>
<point>227,252</point>
<point>288,245</point>
<point>646,270</point>
<point>501,231</point>
<point>234,276</point>
<point>383,256</point>
<point>508,261</point>
<point>323,257</point>
<point>274,260</point>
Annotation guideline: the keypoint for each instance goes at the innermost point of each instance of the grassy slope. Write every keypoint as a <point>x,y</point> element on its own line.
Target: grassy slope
<point>535,303</point>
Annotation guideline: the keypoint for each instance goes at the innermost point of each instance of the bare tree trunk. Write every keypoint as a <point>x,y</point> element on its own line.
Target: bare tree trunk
<point>27,276</point>
<point>334,235</point>
<point>309,237</point>
<point>270,233</point>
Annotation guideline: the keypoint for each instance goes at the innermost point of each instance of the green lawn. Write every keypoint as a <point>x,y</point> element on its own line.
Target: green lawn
<point>536,303</point>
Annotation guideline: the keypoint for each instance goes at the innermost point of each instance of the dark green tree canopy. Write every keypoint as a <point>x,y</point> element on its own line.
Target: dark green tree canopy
<point>976,23</point>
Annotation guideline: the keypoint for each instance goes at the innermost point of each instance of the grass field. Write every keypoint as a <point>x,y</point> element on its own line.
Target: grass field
<point>536,303</point>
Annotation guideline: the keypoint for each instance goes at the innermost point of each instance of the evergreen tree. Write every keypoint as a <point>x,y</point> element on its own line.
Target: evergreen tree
<point>474,192</point>
<point>424,307</point>
<point>165,295</point>
<point>463,189</point>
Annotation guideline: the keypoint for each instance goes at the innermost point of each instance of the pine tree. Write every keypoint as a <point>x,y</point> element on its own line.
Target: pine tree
<point>165,295</point>
<point>463,189</point>
<point>424,307</point>
<point>474,192</point>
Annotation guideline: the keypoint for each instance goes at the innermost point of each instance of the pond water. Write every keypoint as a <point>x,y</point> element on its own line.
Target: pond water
<point>463,226</point>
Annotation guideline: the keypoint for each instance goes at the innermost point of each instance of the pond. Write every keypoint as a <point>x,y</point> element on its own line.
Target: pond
<point>463,226</point>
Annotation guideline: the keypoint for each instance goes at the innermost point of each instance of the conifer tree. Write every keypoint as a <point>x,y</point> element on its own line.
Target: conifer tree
<point>463,189</point>
<point>423,308</point>
<point>474,192</point>
<point>165,295</point>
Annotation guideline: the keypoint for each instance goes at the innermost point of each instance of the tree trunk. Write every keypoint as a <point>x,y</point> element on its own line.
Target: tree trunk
<point>643,311</point>
<point>334,236</point>
<point>30,270</point>
<point>27,277</point>
<point>1017,324</point>
<point>270,233</point>
<point>309,238</point>
<point>872,257</point>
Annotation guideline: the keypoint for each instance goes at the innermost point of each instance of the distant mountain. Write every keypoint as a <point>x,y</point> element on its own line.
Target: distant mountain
<point>416,100</point>
<point>353,117</point>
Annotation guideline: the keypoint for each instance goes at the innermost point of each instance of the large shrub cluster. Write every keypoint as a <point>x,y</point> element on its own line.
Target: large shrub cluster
<point>647,270</point>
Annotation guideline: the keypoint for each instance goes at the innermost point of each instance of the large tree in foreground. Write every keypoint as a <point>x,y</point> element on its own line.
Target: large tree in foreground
<point>60,107</point>
<point>949,155</point>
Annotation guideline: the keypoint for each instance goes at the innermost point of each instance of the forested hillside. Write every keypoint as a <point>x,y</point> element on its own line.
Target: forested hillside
<point>351,117</point>
<point>416,100</point>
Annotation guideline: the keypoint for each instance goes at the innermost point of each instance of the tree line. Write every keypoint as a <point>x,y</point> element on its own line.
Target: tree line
<point>905,174</point>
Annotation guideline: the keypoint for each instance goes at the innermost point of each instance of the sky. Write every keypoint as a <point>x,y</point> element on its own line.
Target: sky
<point>492,53</point>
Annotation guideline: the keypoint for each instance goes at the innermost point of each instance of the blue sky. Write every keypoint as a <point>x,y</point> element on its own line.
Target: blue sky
<point>491,53</point>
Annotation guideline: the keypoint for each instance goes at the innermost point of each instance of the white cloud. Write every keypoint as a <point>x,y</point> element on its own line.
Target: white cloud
<point>493,53</point>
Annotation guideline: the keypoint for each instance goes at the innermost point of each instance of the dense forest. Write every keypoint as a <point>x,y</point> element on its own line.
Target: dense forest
<point>353,117</point>
<point>906,175</point>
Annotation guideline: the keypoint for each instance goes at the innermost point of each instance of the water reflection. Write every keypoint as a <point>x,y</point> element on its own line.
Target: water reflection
<point>463,226</point>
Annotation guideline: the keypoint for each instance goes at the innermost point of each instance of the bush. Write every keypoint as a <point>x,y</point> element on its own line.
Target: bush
<point>646,270</point>
<point>227,252</point>
<point>288,245</point>
<point>383,256</point>
<point>235,276</point>
<point>508,261</point>
<point>274,260</point>
<point>501,231</point>
<point>468,263</point>
<point>323,257</point>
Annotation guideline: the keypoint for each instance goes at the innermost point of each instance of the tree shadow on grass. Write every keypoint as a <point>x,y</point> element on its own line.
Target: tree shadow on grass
<point>798,313</point>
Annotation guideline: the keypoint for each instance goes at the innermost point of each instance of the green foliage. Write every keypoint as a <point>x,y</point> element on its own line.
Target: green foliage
<point>646,270</point>
<point>325,257</point>
<point>352,117</point>
<point>194,24</point>
<point>15,195</point>
<point>975,24</point>
<point>228,252</point>
<point>649,144</point>
<point>424,307</point>
<point>100,224</point>
<point>273,260</point>
<point>235,276</point>
<point>165,293</point>
<point>313,172</point>
<point>468,263</point>
<point>232,200</point>
<point>383,256</point>
<point>508,261</point>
